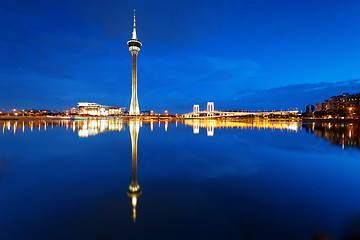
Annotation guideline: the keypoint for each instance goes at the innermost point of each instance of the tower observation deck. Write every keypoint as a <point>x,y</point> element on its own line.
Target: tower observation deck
<point>134,48</point>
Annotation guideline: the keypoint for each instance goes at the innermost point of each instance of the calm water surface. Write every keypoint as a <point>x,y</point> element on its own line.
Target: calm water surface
<point>188,180</point>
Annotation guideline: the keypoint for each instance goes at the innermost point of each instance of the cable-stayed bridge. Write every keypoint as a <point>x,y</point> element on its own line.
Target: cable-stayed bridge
<point>210,112</point>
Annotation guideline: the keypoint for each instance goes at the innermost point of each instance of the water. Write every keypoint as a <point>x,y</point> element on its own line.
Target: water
<point>190,180</point>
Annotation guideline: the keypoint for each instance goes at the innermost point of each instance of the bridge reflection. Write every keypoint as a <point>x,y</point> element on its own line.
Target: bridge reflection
<point>92,127</point>
<point>84,128</point>
<point>336,133</point>
<point>210,125</point>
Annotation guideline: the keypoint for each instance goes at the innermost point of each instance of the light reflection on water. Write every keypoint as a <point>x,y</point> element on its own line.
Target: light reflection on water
<point>240,180</point>
<point>92,127</point>
<point>344,135</point>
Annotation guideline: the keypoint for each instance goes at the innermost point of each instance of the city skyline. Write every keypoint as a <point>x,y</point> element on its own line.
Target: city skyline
<point>282,55</point>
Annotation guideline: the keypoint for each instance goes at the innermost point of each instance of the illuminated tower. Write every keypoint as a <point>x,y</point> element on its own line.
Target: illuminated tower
<point>134,48</point>
<point>134,188</point>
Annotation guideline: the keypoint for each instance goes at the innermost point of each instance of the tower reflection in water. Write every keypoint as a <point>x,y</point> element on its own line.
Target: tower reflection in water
<point>91,127</point>
<point>134,188</point>
<point>342,134</point>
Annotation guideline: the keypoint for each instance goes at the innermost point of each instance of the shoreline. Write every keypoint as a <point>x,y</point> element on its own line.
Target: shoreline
<point>329,120</point>
<point>173,118</point>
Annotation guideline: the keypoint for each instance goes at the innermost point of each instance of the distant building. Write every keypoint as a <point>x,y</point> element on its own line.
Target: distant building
<point>94,109</point>
<point>340,102</point>
<point>73,111</point>
<point>321,106</point>
<point>344,106</point>
<point>147,113</point>
<point>307,108</point>
<point>312,108</point>
<point>327,105</point>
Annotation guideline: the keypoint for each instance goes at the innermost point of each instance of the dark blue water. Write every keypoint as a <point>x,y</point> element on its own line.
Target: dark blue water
<point>70,180</point>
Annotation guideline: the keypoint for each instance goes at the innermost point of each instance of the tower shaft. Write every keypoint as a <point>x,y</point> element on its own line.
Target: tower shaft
<point>134,104</point>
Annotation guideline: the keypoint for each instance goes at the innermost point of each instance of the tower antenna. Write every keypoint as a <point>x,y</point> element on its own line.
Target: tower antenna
<point>134,19</point>
<point>134,29</point>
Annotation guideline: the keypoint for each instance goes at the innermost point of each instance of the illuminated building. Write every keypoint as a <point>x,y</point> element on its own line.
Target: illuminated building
<point>73,110</point>
<point>94,109</point>
<point>341,102</point>
<point>134,48</point>
<point>320,106</point>
<point>92,127</point>
<point>134,188</point>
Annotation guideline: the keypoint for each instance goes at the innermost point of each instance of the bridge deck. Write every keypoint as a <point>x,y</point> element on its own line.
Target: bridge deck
<point>215,114</point>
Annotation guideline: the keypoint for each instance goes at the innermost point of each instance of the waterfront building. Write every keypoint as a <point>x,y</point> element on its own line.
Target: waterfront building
<point>134,48</point>
<point>341,106</point>
<point>327,104</point>
<point>339,102</point>
<point>73,110</point>
<point>320,106</point>
<point>312,108</point>
<point>95,109</point>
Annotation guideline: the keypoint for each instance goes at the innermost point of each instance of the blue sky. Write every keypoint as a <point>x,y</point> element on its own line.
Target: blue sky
<point>240,54</point>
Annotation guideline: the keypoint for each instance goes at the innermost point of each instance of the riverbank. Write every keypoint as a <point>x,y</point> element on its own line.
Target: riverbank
<point>329,120</point>
<point>177,118</point>
<point>30,118</point>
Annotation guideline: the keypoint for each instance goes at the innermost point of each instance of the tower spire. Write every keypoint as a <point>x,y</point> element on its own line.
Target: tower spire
<point>134,30</point>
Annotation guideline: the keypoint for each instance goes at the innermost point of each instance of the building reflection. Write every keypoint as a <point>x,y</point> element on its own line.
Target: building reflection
<point>134,188</point>
<point>335,133</point>
<point>15,126</point>
<point>344,135</point>
<point>92,127</point>
<point>85,128</point>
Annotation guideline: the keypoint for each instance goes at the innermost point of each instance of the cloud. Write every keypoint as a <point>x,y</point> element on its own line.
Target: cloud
<point>181,81</point>
<point>295,96</point>
<point>196,74</point>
